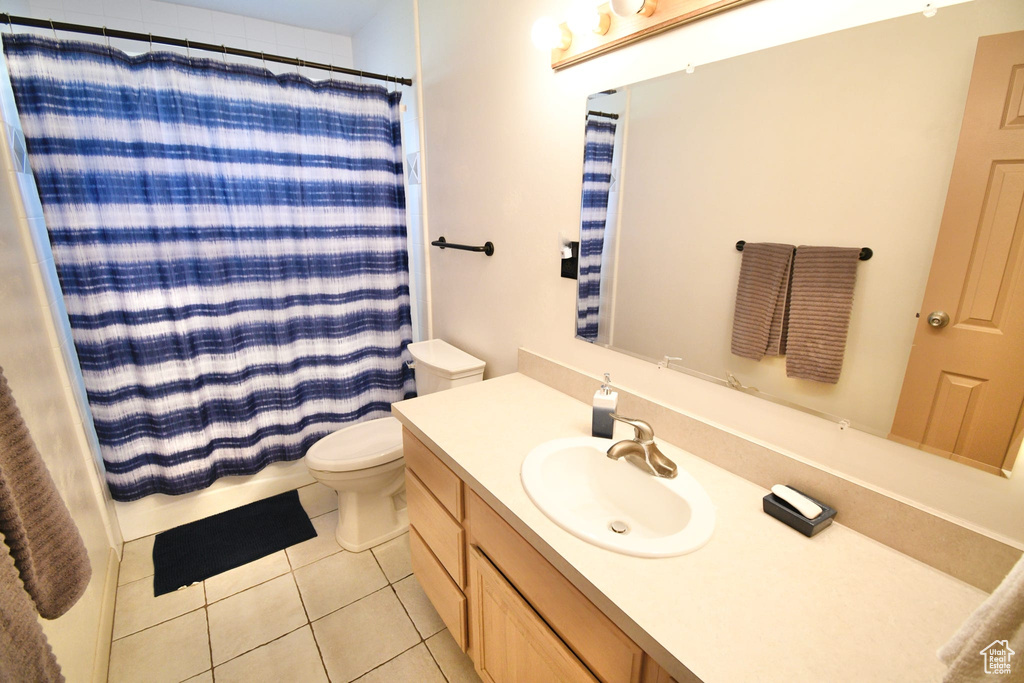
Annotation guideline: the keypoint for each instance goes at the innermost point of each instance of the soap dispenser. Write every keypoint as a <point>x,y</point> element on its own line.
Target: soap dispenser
<point>605,402</point>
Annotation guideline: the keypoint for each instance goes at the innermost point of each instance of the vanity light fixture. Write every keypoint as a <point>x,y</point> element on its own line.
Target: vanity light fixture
<point>585,17</point>
<point>629,8</point>
<point>929,10</point>
<point>548,35</point>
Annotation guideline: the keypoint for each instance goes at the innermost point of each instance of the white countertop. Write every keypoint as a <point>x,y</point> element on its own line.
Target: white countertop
<point>759,602</point>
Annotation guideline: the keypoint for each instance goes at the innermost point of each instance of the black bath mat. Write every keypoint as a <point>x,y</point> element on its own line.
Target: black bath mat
<point>198,550</point>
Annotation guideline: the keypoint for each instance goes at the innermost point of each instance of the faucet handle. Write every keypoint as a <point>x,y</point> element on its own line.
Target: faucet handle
<point>644,431</point>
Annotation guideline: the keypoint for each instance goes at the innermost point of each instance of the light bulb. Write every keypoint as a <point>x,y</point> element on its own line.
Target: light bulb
<point>583,17</point>
<point>929,10</point>
<point>548,35</point>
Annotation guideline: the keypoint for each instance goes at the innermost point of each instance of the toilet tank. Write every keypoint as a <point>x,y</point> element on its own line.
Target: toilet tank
<point>440,366</point>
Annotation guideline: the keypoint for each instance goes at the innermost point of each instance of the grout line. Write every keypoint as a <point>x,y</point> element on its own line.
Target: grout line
<point>242,654</point>
<point>352,603</point>
<point>389,661</point>
<point>209,643</point>
<point>302,602</point>
<point>127,635</point>
<point>436,663</point>
<point>255,585</point>
<point>407,615</point>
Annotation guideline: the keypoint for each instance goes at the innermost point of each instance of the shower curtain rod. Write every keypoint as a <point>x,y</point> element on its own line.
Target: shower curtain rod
<point>601,113</point>
<point>11,20</point>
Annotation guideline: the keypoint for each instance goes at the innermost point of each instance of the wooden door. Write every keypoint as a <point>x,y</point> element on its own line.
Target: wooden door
<point>963,392</point>
<point>511,643</point>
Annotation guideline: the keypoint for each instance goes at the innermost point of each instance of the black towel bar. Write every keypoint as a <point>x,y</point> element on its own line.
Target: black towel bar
<point>488,247</point>
<point>865,252</point>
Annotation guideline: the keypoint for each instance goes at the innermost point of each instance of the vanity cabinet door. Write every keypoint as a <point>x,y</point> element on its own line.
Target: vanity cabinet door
<point>511,643</point>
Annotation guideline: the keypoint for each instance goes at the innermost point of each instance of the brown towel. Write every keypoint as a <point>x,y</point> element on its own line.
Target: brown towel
<point>821,299</point>
<point>758,327</point>
<point>37,527</point>
<point>24,653</point>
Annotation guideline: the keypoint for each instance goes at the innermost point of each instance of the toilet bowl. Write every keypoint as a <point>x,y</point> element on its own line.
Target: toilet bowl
<point>364,463</point>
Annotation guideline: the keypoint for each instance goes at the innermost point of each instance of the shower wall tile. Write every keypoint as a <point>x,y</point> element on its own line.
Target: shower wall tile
<point>411,134</point>
<point>123,9</point>
<point>228,24</point>
<point>200,25</point>
<point>154,12</point>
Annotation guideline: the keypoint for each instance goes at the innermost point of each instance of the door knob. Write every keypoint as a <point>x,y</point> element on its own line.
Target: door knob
<point>938,319</point>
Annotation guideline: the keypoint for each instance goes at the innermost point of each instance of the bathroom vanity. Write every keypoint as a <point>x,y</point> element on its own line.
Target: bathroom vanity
<point>529,601</point>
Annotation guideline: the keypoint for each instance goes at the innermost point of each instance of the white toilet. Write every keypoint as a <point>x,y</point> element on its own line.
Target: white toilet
<point>364,463</point>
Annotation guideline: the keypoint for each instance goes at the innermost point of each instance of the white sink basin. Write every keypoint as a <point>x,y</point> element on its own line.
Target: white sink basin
<point>585,492</point>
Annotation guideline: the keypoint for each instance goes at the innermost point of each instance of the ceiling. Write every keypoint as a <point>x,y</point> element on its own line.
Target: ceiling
<point>345,17</point>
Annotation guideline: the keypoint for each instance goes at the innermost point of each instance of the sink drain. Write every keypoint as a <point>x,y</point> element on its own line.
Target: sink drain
<point>619,527</point>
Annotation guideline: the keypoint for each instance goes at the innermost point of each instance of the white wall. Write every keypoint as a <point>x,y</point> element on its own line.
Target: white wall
<point>503,138</point>
<point>35,355</point>
<point>193,23</point>
<point>387,44</point>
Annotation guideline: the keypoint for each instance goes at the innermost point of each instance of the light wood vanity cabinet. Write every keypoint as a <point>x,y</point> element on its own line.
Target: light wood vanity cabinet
<point>519,619</point>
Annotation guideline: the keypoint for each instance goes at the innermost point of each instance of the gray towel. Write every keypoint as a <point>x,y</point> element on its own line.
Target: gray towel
<point>998,624</point>
<point>24,653</point>
<point>758,327</point>
<point>821,299</point>
<point>37,527</point>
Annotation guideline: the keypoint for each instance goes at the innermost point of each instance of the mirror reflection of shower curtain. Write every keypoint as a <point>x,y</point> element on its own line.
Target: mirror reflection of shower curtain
<point>597,167</point>
<point>231,246</point>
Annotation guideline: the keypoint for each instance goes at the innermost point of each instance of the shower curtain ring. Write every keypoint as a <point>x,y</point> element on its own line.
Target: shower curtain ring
<point>150,42</point>
<point>188,50</point>
<point>263,56</point>
<point>225,55</point>
<point>53,29</point>
<point>106,36</point>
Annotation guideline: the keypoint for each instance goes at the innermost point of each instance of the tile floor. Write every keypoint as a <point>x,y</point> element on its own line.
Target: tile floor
<point>312,612</point>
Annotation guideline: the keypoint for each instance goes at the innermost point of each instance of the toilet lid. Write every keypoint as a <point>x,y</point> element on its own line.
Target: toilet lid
<point>358,447</point>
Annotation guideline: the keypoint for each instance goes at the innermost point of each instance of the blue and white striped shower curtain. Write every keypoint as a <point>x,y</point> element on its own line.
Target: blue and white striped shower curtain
<point>597,169</point>
<point>232,249</point>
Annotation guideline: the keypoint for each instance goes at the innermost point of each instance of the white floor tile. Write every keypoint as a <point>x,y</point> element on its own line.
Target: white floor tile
<point>364,635</point>
<point>417,604</point>
<point>455,664</point>
<point>393,557</point>
<point>136,560</point>
<point>412,665</point>
<point>171,651</point>
<point>318,499</point>
<point>248,575</point>
<point>314,549</point>
<point>338,580</point>
<point>253,617</point>
<point>136,608</point>
<point>294,657</point>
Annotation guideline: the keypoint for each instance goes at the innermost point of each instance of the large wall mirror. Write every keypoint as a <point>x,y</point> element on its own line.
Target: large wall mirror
<point>850,139</point>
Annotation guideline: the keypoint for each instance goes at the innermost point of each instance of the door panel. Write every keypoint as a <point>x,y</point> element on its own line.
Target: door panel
<point>964,387</point>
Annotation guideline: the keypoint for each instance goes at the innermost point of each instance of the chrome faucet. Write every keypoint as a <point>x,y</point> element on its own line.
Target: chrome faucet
<point>641,450</point>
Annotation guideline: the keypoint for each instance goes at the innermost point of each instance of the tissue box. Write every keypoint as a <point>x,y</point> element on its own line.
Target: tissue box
<point>784,512</point>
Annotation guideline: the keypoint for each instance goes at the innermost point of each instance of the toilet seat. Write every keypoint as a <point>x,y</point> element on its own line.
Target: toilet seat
<point>363,445</point>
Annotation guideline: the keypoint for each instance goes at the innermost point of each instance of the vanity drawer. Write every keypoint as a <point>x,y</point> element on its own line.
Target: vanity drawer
<point>439,479</point>
<point>608,652</point>
<point>442,534</point>
<point>442,592</point>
